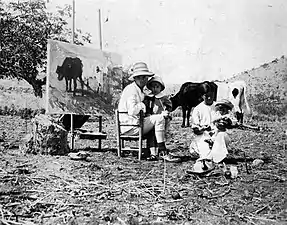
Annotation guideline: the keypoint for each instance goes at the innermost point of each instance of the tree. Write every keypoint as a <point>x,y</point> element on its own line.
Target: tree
<point>25,28</point>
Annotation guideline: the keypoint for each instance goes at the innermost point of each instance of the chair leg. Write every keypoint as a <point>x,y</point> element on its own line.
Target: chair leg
<point>118,133</point>
<point>119,146</point>
<point>140,147</point>
<point>100,130</point>
<point>100,144</point>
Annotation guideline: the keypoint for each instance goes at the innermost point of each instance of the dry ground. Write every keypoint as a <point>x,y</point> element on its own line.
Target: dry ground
<point>105,189</point>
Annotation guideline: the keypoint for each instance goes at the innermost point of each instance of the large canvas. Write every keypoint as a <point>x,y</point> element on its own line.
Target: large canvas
<point>79,79</point>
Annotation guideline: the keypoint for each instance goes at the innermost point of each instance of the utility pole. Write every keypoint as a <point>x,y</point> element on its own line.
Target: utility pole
<point>73,41</point>
<point>73,22</point>
<point>100,30</point>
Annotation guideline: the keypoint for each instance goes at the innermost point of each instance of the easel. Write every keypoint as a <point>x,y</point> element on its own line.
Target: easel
<point>72,133</point>
<point>83,134</point>
<point>74,122</point>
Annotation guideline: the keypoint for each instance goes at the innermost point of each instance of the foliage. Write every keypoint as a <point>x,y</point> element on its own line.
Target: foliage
<point>119,82</point>
<point>269,106</point>
<point>24,113</point>
<point>275,60</point>
<point>25,28</point>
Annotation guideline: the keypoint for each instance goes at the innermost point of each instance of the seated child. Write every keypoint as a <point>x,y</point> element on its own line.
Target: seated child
<point>211,140</point>
<point>154,96</point>
<point>224,118</point>
<point>157,103</point>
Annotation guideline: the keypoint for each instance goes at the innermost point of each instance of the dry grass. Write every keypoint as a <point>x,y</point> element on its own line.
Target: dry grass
<point>43,189</point>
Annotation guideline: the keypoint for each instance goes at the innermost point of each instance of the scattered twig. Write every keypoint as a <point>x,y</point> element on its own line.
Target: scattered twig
<point>2,213</point>
<point>146,175</point>
<point>245,126</point>
<point>220,195</point>
<point>51,203</point>
<point>261,209</point>
<point>11,222</point>
<point>164,174</point>
<point>259,218</point>
<point>121,221</point>
<point>5,222</point>
<point>280,178</point>
<point>245,161</point>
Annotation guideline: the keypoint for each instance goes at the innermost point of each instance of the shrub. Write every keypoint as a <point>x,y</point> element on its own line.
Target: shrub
<point>272,106</point>
<point>271,109</point>
<point>24,113</point>
<point>275,61</point>
<point>265,65</point>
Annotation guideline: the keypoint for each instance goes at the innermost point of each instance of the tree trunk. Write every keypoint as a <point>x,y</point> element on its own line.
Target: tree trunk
<point>37,86</point>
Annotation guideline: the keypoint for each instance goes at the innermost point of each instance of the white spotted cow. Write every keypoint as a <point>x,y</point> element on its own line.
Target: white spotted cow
<point>236,93</point>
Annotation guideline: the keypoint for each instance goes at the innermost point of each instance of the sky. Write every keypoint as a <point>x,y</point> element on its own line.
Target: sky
<point>187,40</point>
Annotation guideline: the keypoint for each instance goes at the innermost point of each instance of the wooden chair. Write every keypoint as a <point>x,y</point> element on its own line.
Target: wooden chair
<point>121,138</point>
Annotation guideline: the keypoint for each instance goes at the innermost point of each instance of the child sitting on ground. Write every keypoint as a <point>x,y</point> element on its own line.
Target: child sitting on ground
<point>222,121</point>
<point>224,118</point>
<point>210,122</point>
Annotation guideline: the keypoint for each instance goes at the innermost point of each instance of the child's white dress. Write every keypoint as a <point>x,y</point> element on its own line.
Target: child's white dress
<point>203,115</point>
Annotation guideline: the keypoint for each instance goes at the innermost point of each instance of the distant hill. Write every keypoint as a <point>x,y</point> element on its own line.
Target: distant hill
<point>269,79</point>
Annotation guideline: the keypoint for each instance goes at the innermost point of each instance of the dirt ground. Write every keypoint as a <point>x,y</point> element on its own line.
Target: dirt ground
<point>105,189</point>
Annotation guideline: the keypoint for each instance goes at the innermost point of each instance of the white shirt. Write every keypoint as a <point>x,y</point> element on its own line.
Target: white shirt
<point>203,114</point>
<point>131,102</point>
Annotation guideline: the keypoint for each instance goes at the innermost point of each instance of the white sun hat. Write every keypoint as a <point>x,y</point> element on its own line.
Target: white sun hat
<point>140,69</point>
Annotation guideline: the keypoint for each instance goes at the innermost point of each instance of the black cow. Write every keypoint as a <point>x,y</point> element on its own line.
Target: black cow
<point>71,69</point>
<point>190,95</point>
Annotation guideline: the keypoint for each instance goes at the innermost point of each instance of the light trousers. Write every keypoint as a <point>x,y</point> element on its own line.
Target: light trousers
<point>156,122</point>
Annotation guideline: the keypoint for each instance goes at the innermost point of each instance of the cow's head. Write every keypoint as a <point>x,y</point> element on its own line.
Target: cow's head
<point>60,73</point>
<point>209,88</point>
<point>204,87</point>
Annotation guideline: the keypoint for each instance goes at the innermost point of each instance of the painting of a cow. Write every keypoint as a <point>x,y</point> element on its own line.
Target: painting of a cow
<point>71,70</point>
<point>236,93</point>
<point>190,95</point>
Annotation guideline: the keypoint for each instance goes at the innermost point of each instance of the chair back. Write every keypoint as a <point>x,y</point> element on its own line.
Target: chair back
<point>121,137</point>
